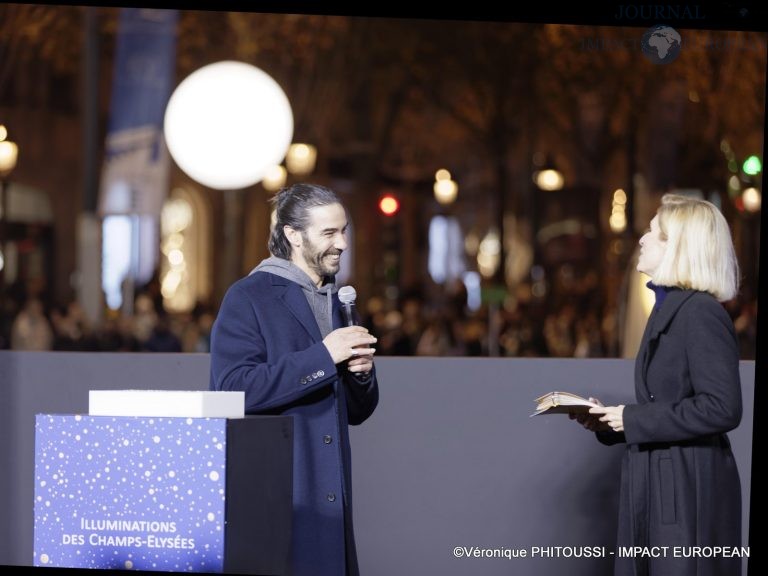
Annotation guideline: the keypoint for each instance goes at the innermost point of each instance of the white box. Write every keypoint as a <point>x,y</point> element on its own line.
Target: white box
<point>166,403</point>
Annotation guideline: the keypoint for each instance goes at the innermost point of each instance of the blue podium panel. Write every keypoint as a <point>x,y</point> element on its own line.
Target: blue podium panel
<point>130,493</point>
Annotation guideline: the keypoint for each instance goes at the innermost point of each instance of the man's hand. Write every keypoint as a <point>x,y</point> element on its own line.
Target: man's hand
<point>351,342</point>
<point>361,363</point>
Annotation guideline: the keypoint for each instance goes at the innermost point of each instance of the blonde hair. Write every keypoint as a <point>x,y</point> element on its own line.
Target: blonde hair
<point>699,253</point>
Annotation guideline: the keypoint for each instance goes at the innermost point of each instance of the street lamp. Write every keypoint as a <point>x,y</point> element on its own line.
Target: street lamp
<point>275,178</point>
<point>9,155</point>
<point>301,158</point>
<point>549,178</point>
<point>445,188</point>
<point>751,198</point>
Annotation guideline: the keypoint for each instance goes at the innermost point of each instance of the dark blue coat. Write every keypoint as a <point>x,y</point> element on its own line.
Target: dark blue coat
<point>266,342</point>
<point>679,485</point>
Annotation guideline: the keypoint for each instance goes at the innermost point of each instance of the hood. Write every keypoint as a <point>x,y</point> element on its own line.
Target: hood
<point>320,299</point>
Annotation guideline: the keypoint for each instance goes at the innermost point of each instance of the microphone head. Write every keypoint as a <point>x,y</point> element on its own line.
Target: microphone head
<point>347,295</point>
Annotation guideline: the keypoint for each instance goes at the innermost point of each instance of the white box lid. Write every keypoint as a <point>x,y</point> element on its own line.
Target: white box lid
<point>166,403</point>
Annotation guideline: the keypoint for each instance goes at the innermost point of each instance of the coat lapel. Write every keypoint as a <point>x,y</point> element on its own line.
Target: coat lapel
<point>658,323</point>
<point>294,300</point>
<point>671,305</point>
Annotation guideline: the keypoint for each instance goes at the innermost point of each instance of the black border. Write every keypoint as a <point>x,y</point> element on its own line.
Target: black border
<point>725,15</point>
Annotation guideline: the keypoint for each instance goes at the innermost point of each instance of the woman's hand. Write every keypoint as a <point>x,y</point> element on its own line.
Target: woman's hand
<point>612,416</point>
<point>590,421</point>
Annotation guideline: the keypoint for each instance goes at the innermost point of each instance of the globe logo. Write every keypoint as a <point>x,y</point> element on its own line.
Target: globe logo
<point>661,44</point>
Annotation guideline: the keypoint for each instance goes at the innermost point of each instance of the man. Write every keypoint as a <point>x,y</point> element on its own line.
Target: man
<point>278,338</point>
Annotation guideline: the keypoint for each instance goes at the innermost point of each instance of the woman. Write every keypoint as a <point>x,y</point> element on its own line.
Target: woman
<point>680,487</point>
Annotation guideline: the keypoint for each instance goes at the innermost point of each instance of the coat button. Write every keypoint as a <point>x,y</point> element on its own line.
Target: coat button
<point>327,439</point>
<point>321,373</point>
<point>653,397</point>
<point>331,497</point>
<point>303,380</point>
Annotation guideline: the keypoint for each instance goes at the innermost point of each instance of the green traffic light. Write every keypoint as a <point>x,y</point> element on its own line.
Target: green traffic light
<point>752,166</point>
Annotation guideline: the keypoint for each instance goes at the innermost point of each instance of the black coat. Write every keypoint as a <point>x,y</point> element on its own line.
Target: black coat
<point>266,342</point>
<point>680,488</point>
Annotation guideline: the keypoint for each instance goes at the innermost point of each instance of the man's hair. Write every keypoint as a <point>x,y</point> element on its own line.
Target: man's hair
<point>699,253</point>
<point>292,205</point>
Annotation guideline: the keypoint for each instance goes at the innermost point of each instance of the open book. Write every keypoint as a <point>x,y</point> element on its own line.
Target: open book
<point>562,403</point>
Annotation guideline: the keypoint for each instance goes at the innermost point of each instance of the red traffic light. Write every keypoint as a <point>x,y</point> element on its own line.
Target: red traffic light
<point>389,205</point>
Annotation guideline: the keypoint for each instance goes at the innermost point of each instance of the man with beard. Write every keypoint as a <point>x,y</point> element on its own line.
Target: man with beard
<point>279,338</point>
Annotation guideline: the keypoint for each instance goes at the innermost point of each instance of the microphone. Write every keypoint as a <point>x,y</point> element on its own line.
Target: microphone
<point>347,296</point>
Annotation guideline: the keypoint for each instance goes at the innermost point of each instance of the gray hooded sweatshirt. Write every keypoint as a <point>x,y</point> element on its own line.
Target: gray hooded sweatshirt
<point>320,299</point>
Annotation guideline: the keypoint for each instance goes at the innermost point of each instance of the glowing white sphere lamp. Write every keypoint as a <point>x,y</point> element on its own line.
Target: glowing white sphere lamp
<point>227,124</point>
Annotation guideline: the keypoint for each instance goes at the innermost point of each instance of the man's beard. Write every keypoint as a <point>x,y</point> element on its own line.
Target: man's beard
<point>316,259</point>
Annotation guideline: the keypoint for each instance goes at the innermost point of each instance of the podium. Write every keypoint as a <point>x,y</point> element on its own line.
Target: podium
<point>164,494</point>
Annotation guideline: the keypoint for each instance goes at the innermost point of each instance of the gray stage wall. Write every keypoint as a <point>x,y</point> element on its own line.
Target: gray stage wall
<point>450,459</point>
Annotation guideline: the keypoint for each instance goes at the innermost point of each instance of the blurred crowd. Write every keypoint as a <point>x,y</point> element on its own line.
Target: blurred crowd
<point>66,328</point>
<point>416,326</point>
<point>572,328</point>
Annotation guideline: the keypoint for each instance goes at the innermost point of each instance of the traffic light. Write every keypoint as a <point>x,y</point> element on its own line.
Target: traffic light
<point>752,166</point>
<point>389,205</point>
<point>389,268</point>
